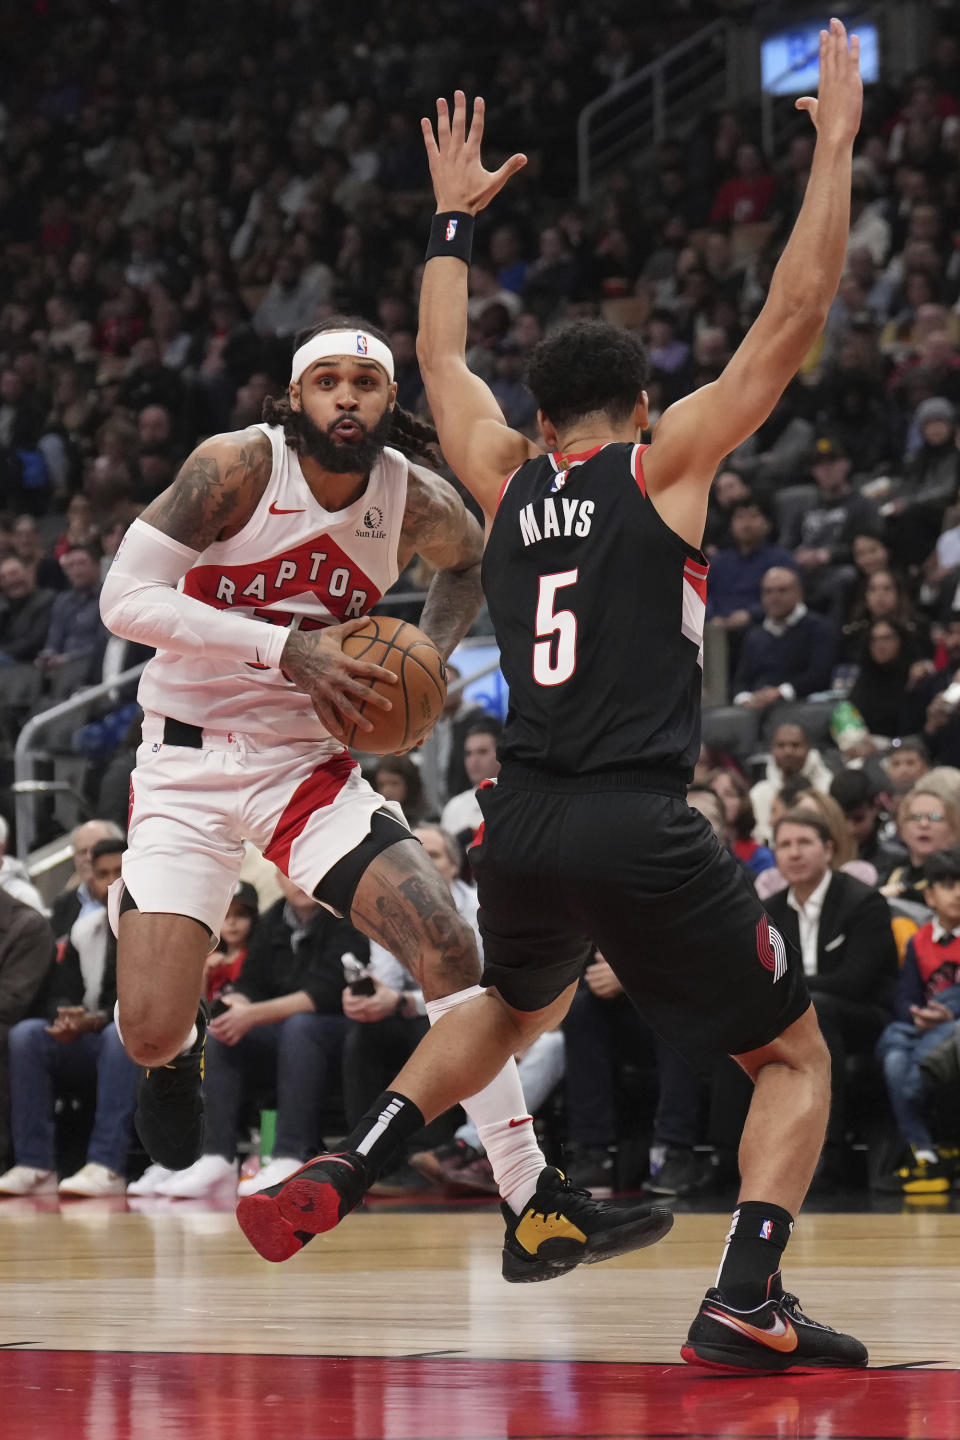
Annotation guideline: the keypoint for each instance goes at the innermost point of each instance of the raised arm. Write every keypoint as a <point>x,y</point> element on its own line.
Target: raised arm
<point>439,527</point>
<point>474,437</point>
<point>696,433</point>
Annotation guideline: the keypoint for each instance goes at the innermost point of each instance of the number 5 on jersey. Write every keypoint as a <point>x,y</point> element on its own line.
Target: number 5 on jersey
<point>555,650</point>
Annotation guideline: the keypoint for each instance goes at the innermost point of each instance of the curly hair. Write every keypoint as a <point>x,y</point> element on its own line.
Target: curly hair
<point>585,368</point>
<point>412,437</point>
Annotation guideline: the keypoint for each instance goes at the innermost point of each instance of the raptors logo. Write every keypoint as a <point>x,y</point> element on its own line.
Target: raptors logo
<point>771,950</point>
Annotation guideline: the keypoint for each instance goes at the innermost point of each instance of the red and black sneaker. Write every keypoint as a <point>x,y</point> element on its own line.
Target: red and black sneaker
<point>774,1337</point>
<point>280,1220</point>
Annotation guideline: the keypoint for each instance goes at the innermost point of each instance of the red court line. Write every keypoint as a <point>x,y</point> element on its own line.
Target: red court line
<point>66,1395</point>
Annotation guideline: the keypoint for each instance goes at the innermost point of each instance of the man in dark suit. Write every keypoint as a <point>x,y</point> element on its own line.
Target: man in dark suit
<point>842,929</point>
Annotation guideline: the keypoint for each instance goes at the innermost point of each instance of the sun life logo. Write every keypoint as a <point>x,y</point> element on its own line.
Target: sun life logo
<point>372,525</point>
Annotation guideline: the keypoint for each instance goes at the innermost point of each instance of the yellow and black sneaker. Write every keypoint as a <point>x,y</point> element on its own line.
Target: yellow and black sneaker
<point>774,1337</point>
<point>169,1118</point>
<point>949,1156</point>
<point>563,1227</point>
<point>920,1177</point>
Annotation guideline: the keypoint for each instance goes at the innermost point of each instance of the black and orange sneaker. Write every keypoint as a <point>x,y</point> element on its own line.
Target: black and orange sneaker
<point>774,1337</point>
<point>169,1117</point>
<point>563,1227</point>
<point>280,1220</point>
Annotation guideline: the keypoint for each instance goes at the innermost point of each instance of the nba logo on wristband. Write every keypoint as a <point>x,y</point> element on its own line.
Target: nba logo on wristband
<point>766,1230</point>
<point>451,230</point>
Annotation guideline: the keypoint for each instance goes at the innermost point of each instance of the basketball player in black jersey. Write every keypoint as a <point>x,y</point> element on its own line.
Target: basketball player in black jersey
<point>596,585</point>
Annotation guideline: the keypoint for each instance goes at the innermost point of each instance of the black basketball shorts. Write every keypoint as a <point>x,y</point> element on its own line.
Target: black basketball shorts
<point>565,866</point>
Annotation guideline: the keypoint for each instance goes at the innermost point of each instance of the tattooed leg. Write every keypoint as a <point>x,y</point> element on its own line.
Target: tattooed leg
<point>468,1054</point>
<point>404,904</point>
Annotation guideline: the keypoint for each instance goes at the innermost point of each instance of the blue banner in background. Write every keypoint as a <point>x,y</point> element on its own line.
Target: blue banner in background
<point>490,691</point>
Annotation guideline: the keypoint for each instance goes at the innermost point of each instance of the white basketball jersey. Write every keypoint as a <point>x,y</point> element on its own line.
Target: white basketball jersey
<point>293,564</point>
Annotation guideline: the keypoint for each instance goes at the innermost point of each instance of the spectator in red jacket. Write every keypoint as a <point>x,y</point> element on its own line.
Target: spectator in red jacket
<point>746,197</point>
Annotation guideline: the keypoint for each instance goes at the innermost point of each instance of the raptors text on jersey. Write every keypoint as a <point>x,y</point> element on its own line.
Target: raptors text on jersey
<point>598,608</point>
<point>292,564</point>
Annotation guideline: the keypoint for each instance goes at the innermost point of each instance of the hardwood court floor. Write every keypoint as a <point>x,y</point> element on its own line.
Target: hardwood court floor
<point>397,1326</point>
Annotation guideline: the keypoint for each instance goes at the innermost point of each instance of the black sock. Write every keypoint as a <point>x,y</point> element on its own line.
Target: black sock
<point>757,1239</point>
<point>381,1134</point>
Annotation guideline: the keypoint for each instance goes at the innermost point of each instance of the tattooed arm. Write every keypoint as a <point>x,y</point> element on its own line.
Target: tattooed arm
<point>439,527</point>
<point>212,498</point>
<point>214,495</point>
<point>217,490</point>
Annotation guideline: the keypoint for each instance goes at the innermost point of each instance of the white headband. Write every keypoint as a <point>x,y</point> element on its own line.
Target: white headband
<point>341,342</point>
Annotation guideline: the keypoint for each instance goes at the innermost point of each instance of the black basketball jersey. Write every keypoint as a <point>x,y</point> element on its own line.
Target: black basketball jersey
<point>598,609</point>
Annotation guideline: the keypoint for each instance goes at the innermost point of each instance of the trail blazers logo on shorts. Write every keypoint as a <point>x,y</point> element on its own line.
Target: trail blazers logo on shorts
<point>771,949</point>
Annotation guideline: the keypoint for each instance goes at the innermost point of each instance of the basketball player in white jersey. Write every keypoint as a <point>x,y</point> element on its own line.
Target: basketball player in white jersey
<point>246,575</point>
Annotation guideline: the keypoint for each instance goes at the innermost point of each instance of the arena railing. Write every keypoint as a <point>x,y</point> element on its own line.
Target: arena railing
<point>26,786</point>
<point>656,102</point>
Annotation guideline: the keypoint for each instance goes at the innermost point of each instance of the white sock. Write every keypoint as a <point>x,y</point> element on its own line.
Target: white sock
<point>499,1112</point>
<point>191,1038</point>
<point>930,1156</point>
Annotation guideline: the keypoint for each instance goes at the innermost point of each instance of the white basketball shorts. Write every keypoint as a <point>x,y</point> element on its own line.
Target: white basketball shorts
<point>303,804</point>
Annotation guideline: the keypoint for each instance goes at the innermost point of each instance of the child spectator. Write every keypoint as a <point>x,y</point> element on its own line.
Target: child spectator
<point>226,961</point>
<point>927,1005</point>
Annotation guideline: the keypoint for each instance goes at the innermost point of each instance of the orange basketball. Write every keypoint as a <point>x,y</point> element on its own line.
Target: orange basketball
<point>421,688</point>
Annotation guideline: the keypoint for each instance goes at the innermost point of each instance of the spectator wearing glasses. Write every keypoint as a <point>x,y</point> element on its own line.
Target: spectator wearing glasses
<point>925,823</point>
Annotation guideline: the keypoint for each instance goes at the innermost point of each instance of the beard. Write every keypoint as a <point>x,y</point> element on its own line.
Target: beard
<point>341,457</point>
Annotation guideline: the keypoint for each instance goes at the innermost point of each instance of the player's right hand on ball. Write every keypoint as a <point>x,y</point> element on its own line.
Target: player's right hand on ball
<point>316,663</point>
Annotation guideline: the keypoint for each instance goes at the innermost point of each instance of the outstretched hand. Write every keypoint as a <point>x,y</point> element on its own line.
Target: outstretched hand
<point>836,110</point>
<point>460,181</point>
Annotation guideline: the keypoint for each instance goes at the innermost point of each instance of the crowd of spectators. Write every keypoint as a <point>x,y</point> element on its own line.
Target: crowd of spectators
<point>180,191</point>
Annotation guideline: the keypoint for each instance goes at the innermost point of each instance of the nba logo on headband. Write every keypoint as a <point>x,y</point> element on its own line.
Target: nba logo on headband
<point>361,344</point>
<point>451,230</point>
